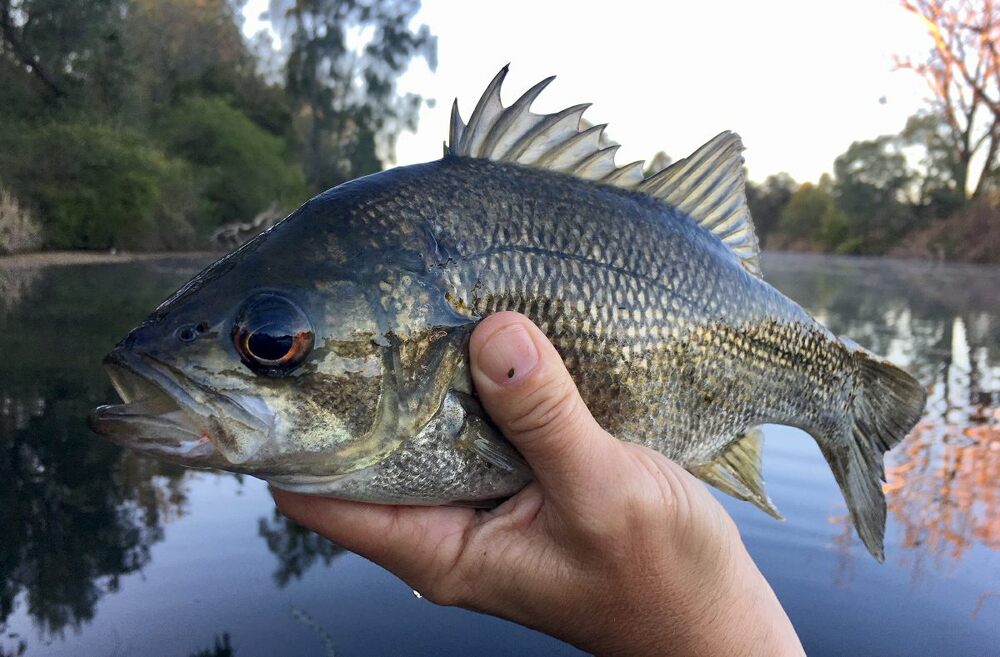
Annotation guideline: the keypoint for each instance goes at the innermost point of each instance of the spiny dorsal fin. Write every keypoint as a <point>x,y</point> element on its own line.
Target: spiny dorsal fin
<point>707,186</point>
<point>737,472</point>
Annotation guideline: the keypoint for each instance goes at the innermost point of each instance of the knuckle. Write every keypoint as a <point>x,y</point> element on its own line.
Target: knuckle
<point>652,496</point>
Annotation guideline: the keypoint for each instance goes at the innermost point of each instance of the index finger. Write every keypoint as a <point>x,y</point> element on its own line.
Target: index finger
<point>415,543</point>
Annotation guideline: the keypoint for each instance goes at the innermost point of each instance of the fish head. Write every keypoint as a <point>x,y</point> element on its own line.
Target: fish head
<point>272,362</point>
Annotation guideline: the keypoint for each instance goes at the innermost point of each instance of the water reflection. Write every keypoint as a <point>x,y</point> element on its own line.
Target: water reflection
<point>15,284</point>
<point>944,324</point>
<point>77,514</point>
<point>296,548</point>
<point>221,648</point>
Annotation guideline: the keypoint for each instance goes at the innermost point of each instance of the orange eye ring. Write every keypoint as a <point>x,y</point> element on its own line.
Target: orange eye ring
<point>297,347</point>
<point>272,335</point>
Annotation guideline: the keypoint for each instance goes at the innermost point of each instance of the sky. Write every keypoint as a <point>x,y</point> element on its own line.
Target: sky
<point>798,80</point>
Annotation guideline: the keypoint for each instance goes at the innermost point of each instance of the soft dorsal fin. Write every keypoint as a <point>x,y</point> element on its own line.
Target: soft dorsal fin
<point>707,186</point>
<point>737,472</point>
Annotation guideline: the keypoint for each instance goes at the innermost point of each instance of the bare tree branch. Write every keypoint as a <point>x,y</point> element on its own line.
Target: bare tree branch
<point>10,34</point>
<point>963,73</point>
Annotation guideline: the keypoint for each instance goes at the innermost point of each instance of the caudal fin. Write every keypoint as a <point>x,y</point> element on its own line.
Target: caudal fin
<point>887,406</point>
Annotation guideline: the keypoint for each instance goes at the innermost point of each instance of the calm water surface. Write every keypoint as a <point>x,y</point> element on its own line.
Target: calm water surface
<point>103,552</point>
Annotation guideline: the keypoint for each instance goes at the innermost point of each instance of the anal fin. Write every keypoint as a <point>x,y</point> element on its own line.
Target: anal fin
<point>737,472</point>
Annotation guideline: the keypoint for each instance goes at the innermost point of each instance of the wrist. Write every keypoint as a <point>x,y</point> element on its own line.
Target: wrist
<point>748,620</point>
<point>731,611</point>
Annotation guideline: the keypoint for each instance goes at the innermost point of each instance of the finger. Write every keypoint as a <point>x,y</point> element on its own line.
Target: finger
<point>526,389</point>
<point>416,543</point>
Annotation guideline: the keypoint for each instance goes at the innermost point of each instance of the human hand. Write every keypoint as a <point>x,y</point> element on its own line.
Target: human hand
<point>613,548</point>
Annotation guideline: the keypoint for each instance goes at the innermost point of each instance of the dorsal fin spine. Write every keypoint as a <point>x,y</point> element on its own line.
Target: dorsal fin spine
<point>601,163</point>
<point>628,175</point>
<point>491,97</point>
<point>558,154</point>
<point>455,131</point>
<point>707,186</point>
<point>524,144</point>
<point>505,123</point>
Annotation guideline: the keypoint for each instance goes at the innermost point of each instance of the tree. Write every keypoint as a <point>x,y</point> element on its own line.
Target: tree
<point>195,47</point>
<point>656,164</point>
<point>343,60</point>
<point>873,188</point>
<point>95,187</point>
<point>963,72</point>
<point>68,48</point>
<point>811,218</point>
<point>768,200</point>
<point>241,168</point>
<point>938,193</point>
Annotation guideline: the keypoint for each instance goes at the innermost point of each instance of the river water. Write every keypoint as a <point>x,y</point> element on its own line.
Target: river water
<point>103,552</point>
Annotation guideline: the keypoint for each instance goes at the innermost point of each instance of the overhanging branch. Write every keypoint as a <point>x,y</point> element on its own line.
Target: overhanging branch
<point>20,51</point>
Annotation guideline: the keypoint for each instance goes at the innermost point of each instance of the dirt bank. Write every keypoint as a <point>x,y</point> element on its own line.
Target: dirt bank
<point>59,258</point>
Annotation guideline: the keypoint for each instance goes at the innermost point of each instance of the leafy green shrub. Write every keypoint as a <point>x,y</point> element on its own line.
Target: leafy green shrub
<point>241,168</point>
<point>18,229</point>
<point>802,218</point>
<point>96,187</point>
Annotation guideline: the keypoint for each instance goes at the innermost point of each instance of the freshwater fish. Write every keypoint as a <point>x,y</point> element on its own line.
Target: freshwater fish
<point>329,354</point>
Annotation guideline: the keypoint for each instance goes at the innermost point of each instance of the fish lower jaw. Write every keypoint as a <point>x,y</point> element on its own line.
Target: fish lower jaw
<point>169,435</point>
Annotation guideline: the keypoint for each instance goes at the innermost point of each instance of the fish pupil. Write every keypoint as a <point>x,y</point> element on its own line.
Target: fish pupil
<point>266,346</point>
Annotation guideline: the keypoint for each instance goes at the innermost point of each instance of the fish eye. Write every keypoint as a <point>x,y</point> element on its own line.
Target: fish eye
<point>272,335</point>
<point>187,333</point>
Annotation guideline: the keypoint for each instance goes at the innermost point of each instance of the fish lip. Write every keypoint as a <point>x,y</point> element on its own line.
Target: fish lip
<point>135,373</point>
<point>166,413</point>
<point>157,414</point>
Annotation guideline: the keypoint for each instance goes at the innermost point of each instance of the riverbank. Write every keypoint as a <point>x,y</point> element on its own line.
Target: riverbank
<point>41,259</point>
<point>62,258</point>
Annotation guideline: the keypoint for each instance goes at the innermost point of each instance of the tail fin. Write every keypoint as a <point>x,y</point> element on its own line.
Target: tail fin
<point>888,404</point>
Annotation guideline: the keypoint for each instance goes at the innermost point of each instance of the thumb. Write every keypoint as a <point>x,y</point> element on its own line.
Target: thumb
<point>523,384</point>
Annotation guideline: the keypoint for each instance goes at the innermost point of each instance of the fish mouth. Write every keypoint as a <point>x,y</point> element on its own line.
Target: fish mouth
<point>168,415</point>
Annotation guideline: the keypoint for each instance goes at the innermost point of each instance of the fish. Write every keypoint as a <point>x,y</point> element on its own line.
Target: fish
<point>329,355</point>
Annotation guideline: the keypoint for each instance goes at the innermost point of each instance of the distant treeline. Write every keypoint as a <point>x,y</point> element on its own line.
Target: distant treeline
<point>148,123</point>
<point>933,189</point>
<point>878,201</point>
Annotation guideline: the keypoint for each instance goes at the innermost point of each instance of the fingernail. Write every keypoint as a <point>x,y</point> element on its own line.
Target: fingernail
<point>508,355</point>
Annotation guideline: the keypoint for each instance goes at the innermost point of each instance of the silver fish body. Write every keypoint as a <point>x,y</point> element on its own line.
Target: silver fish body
<point>373,287</point>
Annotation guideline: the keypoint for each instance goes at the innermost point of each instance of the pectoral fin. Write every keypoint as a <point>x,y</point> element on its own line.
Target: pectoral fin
<point>482,437</point>
<point>737,472</point>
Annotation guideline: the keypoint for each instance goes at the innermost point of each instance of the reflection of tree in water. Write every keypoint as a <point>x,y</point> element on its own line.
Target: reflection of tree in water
<point>942,486</point>
<point>942,482</point>
<point>220,648</point>
<point>72,528</point>
<point>76,513</point>
<point>15,284</point>
<point>296,548</point>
